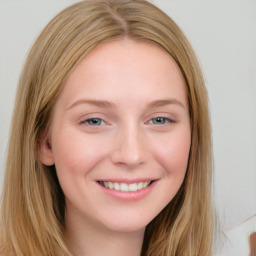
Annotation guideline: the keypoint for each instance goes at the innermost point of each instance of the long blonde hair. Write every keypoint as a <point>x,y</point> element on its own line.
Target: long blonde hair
<point>33,204</point>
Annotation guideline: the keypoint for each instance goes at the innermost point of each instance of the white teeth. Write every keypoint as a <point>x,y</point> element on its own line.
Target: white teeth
<point>133,187</point>
<point>140,185</point>
<point>110,185</point>
<point>116,186</point>
<point>125,187</point>
<point>146,183</point>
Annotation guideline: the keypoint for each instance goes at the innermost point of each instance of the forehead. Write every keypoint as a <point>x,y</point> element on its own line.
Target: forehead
<point>126,68</point>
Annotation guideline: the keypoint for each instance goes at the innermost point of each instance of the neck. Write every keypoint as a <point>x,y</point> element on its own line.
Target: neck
<point>86,239</point>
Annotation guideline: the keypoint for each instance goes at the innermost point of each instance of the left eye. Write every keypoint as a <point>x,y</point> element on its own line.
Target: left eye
<point>160,120</point>
<point>94,122</point>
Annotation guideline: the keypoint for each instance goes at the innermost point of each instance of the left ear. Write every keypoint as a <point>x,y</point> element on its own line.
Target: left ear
<point>45,151</point>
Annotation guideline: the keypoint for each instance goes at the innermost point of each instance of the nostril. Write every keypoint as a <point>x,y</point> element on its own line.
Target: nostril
<point>129,148</point>
<point>131,159</point>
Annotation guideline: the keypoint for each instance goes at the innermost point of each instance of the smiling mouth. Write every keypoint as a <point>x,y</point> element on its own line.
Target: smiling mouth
<point>124,186</point>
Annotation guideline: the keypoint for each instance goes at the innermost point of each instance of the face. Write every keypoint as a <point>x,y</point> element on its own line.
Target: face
<point>120,135</point>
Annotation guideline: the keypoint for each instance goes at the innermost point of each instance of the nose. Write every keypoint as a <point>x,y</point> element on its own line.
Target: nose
<point>129,147</point>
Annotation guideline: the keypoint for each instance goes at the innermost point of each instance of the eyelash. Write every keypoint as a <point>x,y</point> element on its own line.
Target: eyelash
<point>161,118</point>
<point>99,122</point>
<point>93,121</point>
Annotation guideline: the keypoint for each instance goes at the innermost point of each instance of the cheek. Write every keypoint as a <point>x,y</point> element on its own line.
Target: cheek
<point>76,153</point>
<point>173,154</point>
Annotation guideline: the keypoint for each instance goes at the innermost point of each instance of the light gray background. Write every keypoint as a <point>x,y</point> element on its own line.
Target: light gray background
<point>223,33</point>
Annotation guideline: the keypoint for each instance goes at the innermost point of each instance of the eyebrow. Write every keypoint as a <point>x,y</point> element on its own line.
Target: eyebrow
<point>98,103</point>
<point>164,102</point>
<point>107,104</point>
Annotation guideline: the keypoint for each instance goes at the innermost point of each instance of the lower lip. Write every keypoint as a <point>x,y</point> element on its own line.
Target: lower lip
<point>129,196</point>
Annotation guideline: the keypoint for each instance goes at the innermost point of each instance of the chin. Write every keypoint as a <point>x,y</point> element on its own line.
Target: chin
<point>127,225</point>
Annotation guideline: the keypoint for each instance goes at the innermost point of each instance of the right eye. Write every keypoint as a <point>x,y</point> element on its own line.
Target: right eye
<point>94,122</point>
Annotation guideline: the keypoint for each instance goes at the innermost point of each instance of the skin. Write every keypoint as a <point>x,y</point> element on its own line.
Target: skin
<point>125,86</point>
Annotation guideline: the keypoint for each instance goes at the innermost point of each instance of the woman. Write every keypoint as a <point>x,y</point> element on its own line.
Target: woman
<point>110,148</point>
